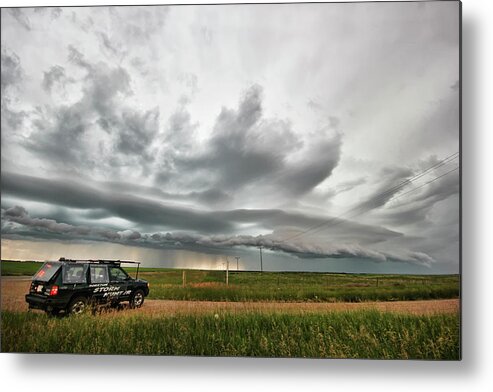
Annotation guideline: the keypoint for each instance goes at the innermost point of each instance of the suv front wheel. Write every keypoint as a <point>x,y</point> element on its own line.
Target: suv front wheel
<point>137,299</point>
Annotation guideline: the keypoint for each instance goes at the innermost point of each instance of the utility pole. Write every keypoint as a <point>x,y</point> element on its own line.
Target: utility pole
<point>237,258</point>
<point>227,271</point>
<point>261,266</point>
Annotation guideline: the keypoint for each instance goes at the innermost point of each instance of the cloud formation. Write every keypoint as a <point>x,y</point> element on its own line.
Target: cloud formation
<point>302,249</point>
<point>247,149</point>
<point>167,128</point>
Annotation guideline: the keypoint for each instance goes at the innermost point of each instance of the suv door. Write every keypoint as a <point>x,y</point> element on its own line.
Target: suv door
<point>119,278</point>
<point>74,281</point>
<point>99,282</point>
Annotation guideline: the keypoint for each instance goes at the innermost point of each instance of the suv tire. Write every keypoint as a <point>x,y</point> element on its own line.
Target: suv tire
<point>53,312</point>
<point>77,306</point>
<point>137,299</point>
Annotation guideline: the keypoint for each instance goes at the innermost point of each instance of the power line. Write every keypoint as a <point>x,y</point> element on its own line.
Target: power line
<point>426,183</point>
<point>445,161</point>
<point>380,196</point>
<point>399,196</point>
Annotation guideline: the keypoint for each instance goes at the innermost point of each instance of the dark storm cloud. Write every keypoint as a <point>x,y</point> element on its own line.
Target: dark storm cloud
<point>347,237</point>
<point>20,215</point>
<point>303,249</point>
<point>208,196</point>
<point>61,133</point>
<point>57,137</point>
<point>245,148</point>
<point>133,208</point>
<point>150,212</point>
<point>237,153</point>
<point>136,131</point>
<point>309,171</point>
<point>41,227</point>
<point>212,197</point>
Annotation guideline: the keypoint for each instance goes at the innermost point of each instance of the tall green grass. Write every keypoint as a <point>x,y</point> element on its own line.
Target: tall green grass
<point>301,294</point>
<point>362,334</point>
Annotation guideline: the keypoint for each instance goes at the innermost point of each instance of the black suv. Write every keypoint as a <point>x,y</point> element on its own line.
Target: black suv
<point>71,285</point>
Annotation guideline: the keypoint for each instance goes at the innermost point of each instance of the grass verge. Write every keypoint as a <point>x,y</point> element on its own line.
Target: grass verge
<point>362,334</point>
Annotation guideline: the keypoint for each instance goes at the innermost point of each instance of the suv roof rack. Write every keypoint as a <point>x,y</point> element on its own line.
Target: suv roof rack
<point>100,261</point>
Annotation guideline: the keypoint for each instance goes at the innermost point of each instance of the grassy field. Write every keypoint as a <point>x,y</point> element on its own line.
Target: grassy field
<point>17,268</point>
<point>365,334</point>
<point>339,334</point>
<point>282,286</point>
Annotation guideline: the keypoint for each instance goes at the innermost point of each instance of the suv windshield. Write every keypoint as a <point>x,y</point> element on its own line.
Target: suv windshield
<point>47,271</point>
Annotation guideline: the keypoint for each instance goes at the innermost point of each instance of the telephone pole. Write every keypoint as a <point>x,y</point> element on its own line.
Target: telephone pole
<point>261,266</point>
<point>227,271</point>
<point>237,258</point>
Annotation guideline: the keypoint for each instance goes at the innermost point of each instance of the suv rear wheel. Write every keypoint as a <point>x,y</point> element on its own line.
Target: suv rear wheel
<point>137,299</point>
<point>53,312</point>
<point>77,306</point>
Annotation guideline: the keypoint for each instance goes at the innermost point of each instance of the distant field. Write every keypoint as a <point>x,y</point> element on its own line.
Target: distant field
<point>297,286</point>
<point>17,268</point>
<point>282,286</point>
<point>362,334</point>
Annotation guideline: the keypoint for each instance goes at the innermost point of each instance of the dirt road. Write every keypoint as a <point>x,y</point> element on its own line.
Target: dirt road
<point>13,290</point>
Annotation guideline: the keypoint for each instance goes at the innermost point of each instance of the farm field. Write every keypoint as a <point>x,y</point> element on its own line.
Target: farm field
<point>308,315</point>
<point>201,285</point>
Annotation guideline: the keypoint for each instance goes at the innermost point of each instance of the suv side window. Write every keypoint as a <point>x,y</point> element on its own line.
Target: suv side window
<point>99,274</point>
<point>74,274</point>
<point>117,274</point>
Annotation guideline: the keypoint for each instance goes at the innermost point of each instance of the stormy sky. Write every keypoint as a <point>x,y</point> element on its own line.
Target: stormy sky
<point>182,136</point>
